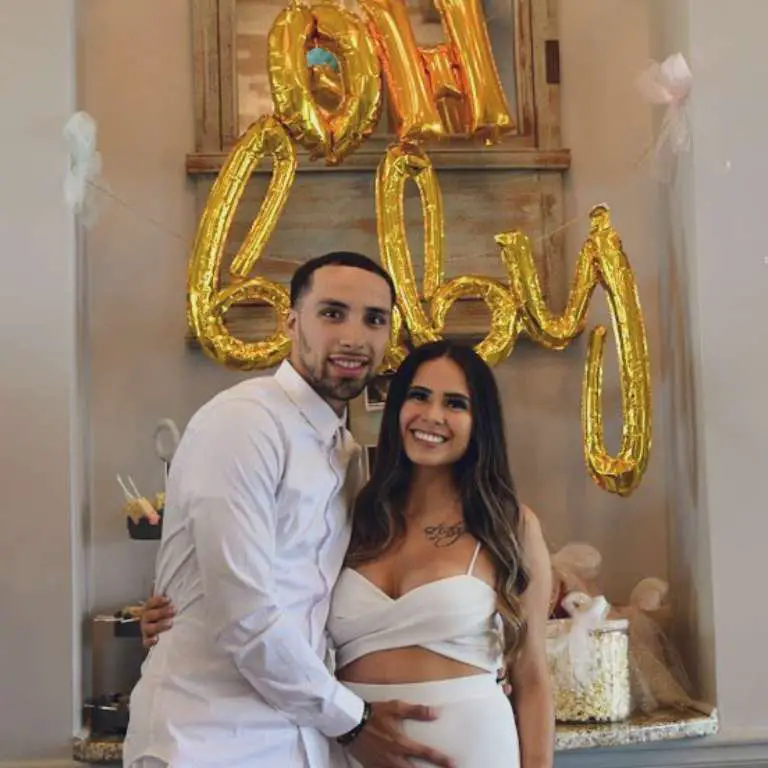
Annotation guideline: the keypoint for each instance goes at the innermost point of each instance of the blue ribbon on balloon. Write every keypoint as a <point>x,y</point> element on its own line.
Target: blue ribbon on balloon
<point>319,57</point>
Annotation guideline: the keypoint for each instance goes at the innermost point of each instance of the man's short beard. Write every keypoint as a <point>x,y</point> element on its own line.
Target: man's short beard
<point>328,388</point>
<point>342,391</point>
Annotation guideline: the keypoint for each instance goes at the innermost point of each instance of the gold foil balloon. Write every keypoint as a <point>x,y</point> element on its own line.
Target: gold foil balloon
<point>499,342</point>
<point>601,261</point>
<point>287,44</point>
<point>411,100</point>
<point>324,134</point>
<point>619,474</point>
<point>346,35</point>
<point>465,24</point>
<point>539,323</point>
<point>326,87</point>
<point>448,89</point>
<point>443,73</point>
<point>396,352</point>
<point>398,166</point>
<point>207,303</point>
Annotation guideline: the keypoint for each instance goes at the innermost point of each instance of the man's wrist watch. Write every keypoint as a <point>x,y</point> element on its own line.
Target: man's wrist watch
<point>347,738</point>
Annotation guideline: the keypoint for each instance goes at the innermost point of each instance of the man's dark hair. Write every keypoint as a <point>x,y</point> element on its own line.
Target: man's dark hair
<point>301,281</point>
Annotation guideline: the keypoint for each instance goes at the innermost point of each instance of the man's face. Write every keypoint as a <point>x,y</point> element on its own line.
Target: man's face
<point>339,331</point>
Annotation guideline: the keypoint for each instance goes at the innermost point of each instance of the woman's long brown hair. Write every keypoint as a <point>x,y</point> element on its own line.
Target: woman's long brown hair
<point>482,477</point>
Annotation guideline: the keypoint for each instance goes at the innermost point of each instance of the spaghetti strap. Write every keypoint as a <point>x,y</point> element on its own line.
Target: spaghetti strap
<point>474,559</point>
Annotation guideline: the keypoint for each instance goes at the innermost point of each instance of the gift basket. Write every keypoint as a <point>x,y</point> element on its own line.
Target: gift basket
<point>606,661</point>
<point>588,657</point>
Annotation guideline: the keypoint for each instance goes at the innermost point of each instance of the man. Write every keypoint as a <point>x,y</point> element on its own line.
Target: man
<point>254,535</point>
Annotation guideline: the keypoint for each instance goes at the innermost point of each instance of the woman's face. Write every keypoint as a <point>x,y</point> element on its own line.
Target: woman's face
<point>436,417</point>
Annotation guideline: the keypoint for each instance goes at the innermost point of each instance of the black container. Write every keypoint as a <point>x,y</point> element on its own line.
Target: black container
<point>144,530</point>
<point>107,715</point>
<point>128,628</point>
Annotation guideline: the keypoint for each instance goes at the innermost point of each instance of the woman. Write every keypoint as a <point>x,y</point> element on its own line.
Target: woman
<point>447,576</point>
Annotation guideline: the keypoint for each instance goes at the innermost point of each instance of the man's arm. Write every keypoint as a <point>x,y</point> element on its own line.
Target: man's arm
<point>234,468</point>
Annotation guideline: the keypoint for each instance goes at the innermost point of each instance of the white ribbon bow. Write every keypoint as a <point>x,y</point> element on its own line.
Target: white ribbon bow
<point>587,614</point>
<point>83,179</point>
<point>669,84</point>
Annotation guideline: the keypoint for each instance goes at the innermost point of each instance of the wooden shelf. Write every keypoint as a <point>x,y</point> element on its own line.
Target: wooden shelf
<point>369,156</point>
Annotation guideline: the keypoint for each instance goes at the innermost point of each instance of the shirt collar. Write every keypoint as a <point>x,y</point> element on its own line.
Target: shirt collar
<point>314,409</point>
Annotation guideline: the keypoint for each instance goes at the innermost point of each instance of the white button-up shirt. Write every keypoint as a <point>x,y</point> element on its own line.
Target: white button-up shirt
<point>255,530</point>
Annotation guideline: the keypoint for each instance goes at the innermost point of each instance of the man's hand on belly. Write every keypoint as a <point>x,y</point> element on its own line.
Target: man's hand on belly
<point>381,743</point>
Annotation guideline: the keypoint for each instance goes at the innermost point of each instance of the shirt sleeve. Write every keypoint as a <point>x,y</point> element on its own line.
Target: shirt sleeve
<point>237,462</point>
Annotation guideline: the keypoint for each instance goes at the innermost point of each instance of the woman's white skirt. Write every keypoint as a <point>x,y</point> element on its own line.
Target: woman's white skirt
<point>475,724</point>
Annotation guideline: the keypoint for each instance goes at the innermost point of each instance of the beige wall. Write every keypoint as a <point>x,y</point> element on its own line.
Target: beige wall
<point>137,84</point>
<point>604,45</point>
<point>720,245</point>
<point>40,458</point>
<point>690,568</point>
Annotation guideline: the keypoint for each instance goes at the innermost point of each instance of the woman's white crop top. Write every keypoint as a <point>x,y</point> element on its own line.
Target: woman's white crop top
<point>455,617</point>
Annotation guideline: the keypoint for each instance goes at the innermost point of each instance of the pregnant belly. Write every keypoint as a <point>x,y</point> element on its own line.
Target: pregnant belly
<point>405,665</point>
<point>475,724</point>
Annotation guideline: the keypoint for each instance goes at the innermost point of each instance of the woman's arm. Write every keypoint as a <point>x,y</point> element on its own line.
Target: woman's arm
<point>531,683</point>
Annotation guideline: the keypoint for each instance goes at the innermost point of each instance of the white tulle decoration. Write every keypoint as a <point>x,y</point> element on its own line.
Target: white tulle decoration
<point>669,84</point>
<point>84,187</point>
